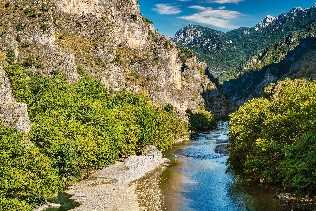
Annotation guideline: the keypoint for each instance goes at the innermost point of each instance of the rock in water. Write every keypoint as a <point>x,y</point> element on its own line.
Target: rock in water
<point>222,149</point>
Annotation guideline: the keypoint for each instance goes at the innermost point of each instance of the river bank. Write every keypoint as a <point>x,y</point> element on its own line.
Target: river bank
<point>196,179</point>
<point>117,186</point>
<point>114,188</point>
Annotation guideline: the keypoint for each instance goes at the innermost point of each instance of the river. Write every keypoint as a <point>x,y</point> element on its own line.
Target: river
<point>198,180</point>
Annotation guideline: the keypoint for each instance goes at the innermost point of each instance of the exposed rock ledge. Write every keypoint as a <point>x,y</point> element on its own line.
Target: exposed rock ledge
<point>12,113</point>
<point>115,187</point>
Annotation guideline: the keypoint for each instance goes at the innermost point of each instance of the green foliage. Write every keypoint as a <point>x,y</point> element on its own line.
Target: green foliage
<point>266,136</point>
<point>80,126</point>
<point>298,166</point>
<point>75,127</point>
<point>26,176</point>
<point>185,54</point>
<point>14,204</point>
<point>281,50</point>
<point>10,56</point>
<point>146,20</point>
<point>201,120</point>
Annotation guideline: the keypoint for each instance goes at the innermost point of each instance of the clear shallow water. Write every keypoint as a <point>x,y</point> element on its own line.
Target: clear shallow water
<point>199,179</point>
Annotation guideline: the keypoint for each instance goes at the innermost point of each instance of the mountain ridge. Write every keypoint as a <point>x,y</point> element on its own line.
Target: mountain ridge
<point>234,48</point>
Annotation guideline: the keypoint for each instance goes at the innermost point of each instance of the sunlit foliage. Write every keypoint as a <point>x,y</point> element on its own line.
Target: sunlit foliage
<point>75,128</point>
<point>273,138</point>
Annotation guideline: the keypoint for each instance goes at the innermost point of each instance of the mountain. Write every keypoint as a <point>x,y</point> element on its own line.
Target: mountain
<point>109,40</point>
<point>228,53</point>
<point>293,57</point>
<point>84,84</point>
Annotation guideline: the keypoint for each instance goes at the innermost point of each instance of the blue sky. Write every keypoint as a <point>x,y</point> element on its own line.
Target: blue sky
<point>169,16</point>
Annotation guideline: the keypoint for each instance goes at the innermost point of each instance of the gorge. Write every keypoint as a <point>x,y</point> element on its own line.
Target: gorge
<point>92,98</point>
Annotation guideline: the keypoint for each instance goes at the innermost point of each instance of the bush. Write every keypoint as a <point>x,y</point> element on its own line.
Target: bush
<point>201,121</point>
<point>245,128</point>
<point>298,166</point>
<point>26,176</point>
<point>75,128</point>
<point>14,204</point>
<point>80,126</point>
<point>264,132</point>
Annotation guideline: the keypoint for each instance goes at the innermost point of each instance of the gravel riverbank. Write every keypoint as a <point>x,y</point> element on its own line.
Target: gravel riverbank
<point>126,185</point>
<point>115,187</point>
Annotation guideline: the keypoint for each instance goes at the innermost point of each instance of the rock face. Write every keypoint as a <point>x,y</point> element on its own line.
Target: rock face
<point>12,114</point>
<point>108,39</point>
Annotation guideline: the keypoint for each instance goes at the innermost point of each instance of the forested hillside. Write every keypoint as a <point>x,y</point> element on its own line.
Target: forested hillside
<point>228,53</point>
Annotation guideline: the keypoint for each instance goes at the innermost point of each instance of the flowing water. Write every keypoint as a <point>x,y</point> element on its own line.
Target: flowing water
<point>199,179</point>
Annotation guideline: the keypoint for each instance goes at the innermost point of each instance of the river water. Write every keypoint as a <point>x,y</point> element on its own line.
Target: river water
<point>198,180</point>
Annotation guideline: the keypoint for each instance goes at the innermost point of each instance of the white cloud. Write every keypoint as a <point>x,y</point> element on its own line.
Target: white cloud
<point>167,9</point>
<point>225,1</point>
<point>197,7</point>
<point>220,18</point>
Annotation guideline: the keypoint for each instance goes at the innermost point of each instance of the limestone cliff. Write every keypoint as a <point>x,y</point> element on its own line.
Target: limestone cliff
<point>12,113</point>
<point>109,39</point>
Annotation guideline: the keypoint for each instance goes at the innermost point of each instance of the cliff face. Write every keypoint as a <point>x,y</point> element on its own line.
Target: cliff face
<point>12,113</point>
<point>109,39</point>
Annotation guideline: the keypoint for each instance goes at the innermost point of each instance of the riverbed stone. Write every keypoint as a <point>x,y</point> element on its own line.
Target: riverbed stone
<point>222,149</point>
<point>114,187</point>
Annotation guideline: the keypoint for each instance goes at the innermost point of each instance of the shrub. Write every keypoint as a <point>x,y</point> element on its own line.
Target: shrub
<point>185,54</point>
<point>26,176</point>
<point>298,167</point>
<point>264,132</point>
<point>245,128</point>
<point>146,20</point>
<point>80,126</point>
<point>201,120</point>
<point>14,204</point>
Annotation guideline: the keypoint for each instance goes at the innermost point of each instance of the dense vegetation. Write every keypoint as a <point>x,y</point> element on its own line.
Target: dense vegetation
<point>235,48</point>
<point>26,175</point>
<point>75,128</point>
<point>285,60</point>
<point>201,121</point>
<point>284,48</point>
<point>273,139</point>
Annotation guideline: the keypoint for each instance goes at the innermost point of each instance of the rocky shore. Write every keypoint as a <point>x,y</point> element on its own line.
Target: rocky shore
<point>295,202</point>
<point>114,187</point>
<point>121,186</point>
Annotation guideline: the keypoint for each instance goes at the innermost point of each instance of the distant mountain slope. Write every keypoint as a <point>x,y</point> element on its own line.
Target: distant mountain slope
<point>227,53</point>
<point>294,61</point>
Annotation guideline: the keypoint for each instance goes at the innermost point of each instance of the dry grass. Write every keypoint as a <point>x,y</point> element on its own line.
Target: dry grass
<point>2,56</point>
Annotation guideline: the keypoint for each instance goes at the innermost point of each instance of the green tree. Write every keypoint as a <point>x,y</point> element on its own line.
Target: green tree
<point>273,138</point>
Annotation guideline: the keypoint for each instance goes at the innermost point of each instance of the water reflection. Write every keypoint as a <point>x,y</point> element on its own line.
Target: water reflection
<point>198,180</point>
